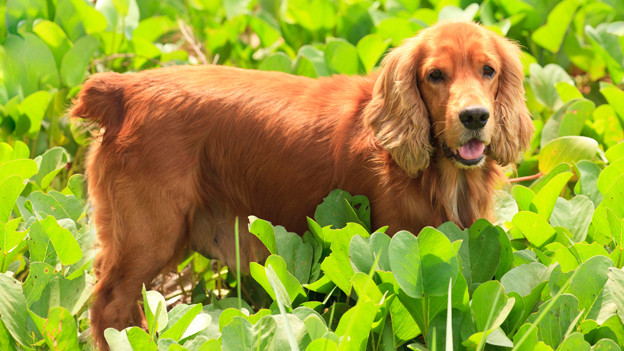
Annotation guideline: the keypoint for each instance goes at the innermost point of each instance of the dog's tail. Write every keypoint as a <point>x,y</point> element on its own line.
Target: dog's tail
<point>102,99</point>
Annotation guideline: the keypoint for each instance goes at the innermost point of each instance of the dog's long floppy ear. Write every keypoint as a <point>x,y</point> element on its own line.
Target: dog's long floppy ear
<point>397,114</point>
<point>514,126</point>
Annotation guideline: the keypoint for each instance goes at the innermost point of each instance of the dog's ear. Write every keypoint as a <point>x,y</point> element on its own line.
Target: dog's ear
<point>514,127</point>
<point>397,114</point>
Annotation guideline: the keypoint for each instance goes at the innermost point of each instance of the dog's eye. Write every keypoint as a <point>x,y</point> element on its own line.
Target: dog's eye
<point>488,71</point>
<point>436,76</point>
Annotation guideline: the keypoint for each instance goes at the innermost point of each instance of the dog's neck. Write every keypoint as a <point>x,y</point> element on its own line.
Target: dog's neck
<point>458,194</point>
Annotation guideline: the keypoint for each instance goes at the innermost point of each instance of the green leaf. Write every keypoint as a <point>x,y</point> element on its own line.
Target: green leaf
<point>606,42</point>
<point>13,309</point>
<point>534,227</point>
<point>397,29</point>
<point>616,289</point>
<point>615,97</point>
<point>611,202</point>
<point>453,13</point>
<point>364,251</point>
<point>290,284</point>
<point>568,120</point>
<point>10,189</point>
<point>310,62</point>
<point>264,231</point>
<point>180,318</point>
<point>523,196</point>
<point>490,304</point>
<point>39,276</point>
<point>28,65</point>
<point>54,37</point>
<point>543,82</point>
<point>117,340</point>
<point>76,60</point>
<point>340,208</point>
<point>152,28</point>
<point>370,49</point>
<point>278,61</point>
<point>568,92</point>
<point>355,325</point>
<point>544,201</point>
<point>610,175</point>
<point>34,107</point>
<point>424,265</point>
<point>50,164</point>
<point>574,215</point>
<point>574,342</point>
<point>59,331</point>
<point>589,280</point>
<point>568,149</point>
<point>550,35</point>
<point>155,310</point>
<point>561,317</point>
<point>140,340</point>
<point>24,168</point>
<point>62,240</point>
<point>615,152</point>
<point>588,173</point>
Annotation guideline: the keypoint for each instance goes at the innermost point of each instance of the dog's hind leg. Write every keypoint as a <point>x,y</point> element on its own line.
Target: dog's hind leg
<point>141,230</point>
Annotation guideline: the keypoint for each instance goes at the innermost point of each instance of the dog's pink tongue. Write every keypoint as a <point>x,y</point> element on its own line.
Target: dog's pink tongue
<point>471,150</point>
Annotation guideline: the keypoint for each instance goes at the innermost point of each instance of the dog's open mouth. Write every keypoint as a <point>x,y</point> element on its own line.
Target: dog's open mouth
<point>468,154</point>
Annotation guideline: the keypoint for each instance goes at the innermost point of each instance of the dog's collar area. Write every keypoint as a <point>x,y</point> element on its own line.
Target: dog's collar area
<point>448,153</point>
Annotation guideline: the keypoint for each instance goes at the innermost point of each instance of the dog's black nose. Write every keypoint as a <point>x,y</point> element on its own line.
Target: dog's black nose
<point>474,117</point>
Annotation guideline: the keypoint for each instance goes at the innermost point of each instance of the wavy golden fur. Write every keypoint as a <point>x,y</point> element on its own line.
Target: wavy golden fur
<point>186,149</point>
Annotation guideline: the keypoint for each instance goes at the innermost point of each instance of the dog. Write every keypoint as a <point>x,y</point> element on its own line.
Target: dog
<point>186,149</point>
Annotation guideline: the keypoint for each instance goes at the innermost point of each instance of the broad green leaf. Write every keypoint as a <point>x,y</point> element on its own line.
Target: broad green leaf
<point>607,44</point>
<point>310,62</point>
<point>589,280</point>
<point>424,265</point>
<point>606,345</point>
<point>561,317</point>
<point>34,107</point>
<point>610,175</point>
<point>278,61</point>
<point>544,201</point>
<point>355,324</point>
<point>568,149</point>
<point>490,304</point>
<point>152,28</point>
<point>523,196</point>
<point>543,82</point>
<point>288,282</point>
<point>615,152</point>
<point>264,231</point>
<point>588,173</point>
<point>370,49</point>
<point>140,340</point>
<point>615,97</point>
<point>63,241</point>
<point>550,35</point>
<point>610,209</point>
<point>574,215</point>
<point>14,309</point>
<point>397,29</point>
<point>574,342</point>
<point>10,189</point>
<point>24,168</point>
<point>568,120</point>
<point>28,66</point>
<point>39,276</point>
<point>534,227</point>
<point>155,310</point>
<point>363,252</point>
<point>342,57</point>
<point>117,340</point>
<point>50,164</point>
<point>10,237</point>
<point>568,92</point>
<point>616,289</point>
<point>76,60</point>
<point>339,208</point>
<point>454,13</point>
<point>54,37</point>
<point>180,318</point>
<point>121,15</point>
<point>60,332</point>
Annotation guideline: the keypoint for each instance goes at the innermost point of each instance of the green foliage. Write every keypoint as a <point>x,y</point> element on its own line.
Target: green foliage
<point>546,276</point>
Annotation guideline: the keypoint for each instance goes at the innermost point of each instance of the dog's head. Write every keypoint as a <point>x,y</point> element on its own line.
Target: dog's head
<point>458,87</point>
